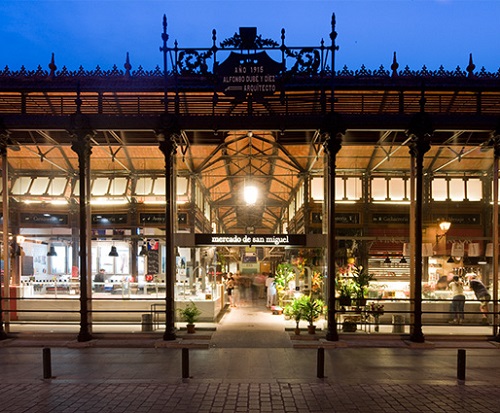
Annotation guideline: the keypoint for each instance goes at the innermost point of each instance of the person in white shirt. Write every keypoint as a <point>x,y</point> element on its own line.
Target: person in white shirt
<point>458,302</point>
<point>271,290</point>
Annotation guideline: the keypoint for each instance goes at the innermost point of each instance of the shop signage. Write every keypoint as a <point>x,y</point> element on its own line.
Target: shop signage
<point>459,219</point>
<point>44,219</point>
<point>243,74</point>
<point>391,218</point>
<point>105,219</point>
<point>154,219</point>
<point>346,218</point>
<point>282,240</point>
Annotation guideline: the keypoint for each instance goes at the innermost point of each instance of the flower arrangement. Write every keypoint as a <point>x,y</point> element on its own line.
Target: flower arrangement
<point>375,309</point>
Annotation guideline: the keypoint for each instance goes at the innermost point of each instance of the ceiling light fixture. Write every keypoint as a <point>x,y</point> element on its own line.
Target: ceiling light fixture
<point>113,252</point>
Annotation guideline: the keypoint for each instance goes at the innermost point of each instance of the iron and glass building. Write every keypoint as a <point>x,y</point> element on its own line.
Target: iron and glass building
<point>142,173</point>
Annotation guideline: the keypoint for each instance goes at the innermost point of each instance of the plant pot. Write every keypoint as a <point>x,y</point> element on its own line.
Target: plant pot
<point>311,329</point>
<point>345,301</point>
<point>349,327</point>
<point>190,328</point>
<point>297,331</point>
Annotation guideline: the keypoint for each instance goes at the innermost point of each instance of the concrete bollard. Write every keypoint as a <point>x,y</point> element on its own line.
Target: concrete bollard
<point>320,363</point>
<point>47,363</point>
<point>461,361</point>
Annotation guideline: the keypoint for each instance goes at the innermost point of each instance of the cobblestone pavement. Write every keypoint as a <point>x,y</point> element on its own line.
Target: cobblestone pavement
<point>247,397</point>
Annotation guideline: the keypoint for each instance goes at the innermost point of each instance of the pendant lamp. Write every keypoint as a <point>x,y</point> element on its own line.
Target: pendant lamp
<point>387,260</point>
<point>113,252</point>
<point>403,260</point>
<point>144,251</point>
<point>52,252</point>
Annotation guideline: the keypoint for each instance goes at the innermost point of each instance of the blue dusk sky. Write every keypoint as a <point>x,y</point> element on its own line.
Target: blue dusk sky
<point>91,33</point>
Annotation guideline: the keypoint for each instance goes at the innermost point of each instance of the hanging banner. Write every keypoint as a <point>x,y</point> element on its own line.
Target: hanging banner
<point>474,249</point>
<point>489,249</point>
<point>457,249</point>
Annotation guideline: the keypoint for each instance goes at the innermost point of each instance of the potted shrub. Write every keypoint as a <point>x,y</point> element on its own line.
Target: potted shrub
<point>190,315</point>
<point>282,277</point>
<point>361,279</point>
<point>346,290</point>
<point>295,310</point>
<point>311,310</point>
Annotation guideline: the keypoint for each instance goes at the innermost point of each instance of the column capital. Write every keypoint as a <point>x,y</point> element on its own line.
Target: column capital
<point>420,132</point>
<point>332,131</point>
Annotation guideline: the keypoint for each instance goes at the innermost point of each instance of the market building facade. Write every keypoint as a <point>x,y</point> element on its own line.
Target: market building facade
<point>122,190</point>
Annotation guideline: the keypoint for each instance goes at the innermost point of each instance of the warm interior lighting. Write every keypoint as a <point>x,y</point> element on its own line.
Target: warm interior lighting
<point>444,226</point>
<point>482,261</point>
<point>250,194</point>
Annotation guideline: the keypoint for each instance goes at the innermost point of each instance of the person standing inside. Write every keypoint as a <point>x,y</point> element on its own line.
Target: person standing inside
<point>458,302</point>
<point>230,289</point>
<point>271,290</point>
<point>482,294</point>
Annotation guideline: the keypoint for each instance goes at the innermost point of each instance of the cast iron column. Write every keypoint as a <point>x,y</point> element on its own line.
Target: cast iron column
<point>496,153</point>
<point>332,145</point>
<point>4,136</point>
<point>420,132</point>
<point>168,147</point>
<point>81,134</point>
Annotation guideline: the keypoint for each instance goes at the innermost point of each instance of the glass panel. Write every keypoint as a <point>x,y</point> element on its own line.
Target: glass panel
<point>182,186</point>
<point>379,189</point>
<point>144,186</point>
<point>317,189</point>
<point>100,186</point>
<point>354,189</point>
<point>21,185</point>
<point>39,186</point>
<point>118,186</point>
<point>457,189</point>
<point>474,190</point>
<point>76,189</point>
<point>339,189</point>
<point>439,189</point>
<point>57,186</point>
<point>397,189</point>
<point>159,186</point>
<point>58,263</point>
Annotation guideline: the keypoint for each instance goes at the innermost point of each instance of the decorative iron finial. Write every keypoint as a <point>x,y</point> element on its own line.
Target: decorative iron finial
<point>164,35</point>
<point>394,66</point>
<point>52,66</point>
<point>214,38</point>
<point>470,68</point>
<point>333,34</point>
<point>127,66</point>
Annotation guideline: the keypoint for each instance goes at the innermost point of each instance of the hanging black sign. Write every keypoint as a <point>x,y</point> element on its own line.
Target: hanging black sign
<point>243,74</point>
<point>106,219</point>
<point>44,219</point>
<point>278,240</point>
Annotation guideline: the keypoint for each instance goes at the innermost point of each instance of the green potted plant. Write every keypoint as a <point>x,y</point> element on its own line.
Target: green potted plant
<point>361,279</point>
<point>295,311</point>
<point>282,277</point>
<point>346,291</point>
<point>311,310</point>
<point>190,314</point>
